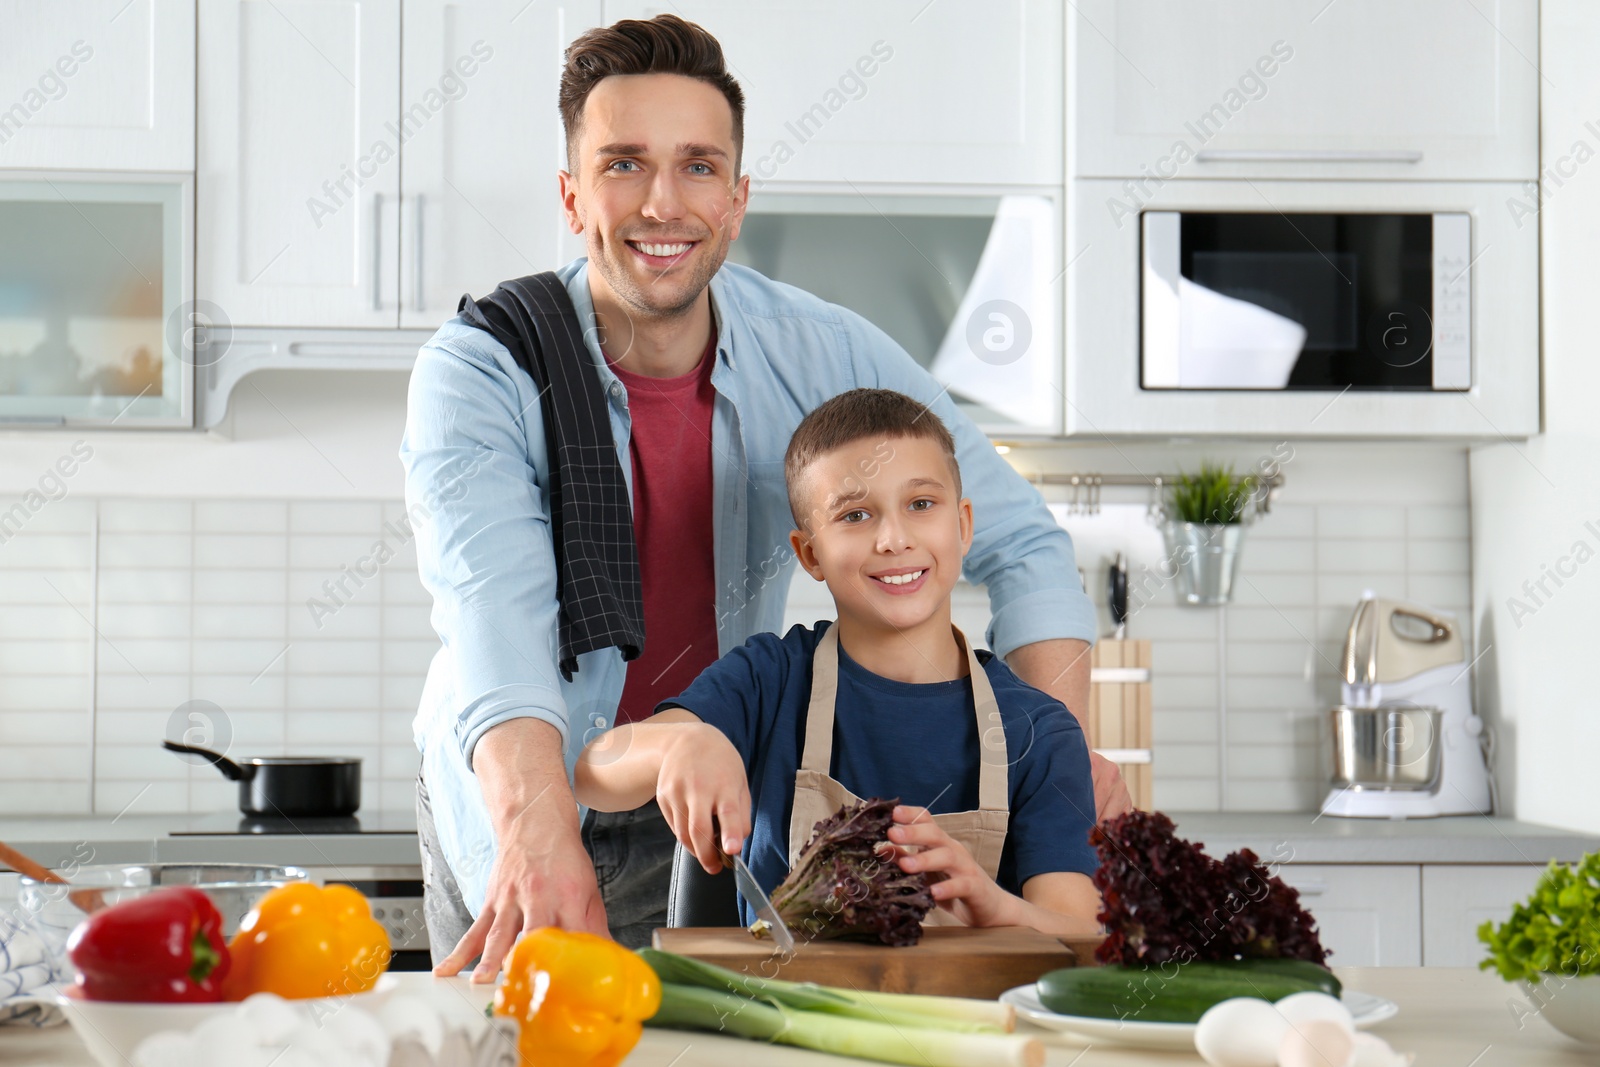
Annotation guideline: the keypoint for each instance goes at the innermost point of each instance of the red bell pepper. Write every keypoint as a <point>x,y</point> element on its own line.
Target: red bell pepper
<point>164,947</point>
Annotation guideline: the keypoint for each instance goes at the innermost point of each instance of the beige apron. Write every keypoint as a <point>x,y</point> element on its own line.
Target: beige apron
<point>817,796</point>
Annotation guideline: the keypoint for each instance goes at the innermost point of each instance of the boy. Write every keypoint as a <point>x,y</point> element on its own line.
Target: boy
<point>888,701</point>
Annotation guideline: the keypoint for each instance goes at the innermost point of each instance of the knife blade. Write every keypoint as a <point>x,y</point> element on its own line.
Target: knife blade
<point>751,890</point>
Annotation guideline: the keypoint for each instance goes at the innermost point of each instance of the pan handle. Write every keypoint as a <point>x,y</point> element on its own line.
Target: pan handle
<point>230,769</point>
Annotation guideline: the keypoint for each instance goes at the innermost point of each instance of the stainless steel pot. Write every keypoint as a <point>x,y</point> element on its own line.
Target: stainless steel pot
<point>1386,748</point>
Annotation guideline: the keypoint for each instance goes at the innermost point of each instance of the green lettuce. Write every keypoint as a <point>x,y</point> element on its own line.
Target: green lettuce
<point>1556,932</point>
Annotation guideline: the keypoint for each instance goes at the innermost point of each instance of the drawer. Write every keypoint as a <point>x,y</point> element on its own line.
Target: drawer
<point>1457,900</point>
<point>1367,916</point>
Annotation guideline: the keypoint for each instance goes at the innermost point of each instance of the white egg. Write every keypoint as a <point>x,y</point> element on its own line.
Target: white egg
<point>271,1017</point>
<point>1242,1032</point>
<point>1374,1051</point>
<point>230,1040</point>
<point>1306,1007</point>
<point>359,1033</point>
<point>402,1015</point>
<point>1317,1043</point>
<point>168,1048</point>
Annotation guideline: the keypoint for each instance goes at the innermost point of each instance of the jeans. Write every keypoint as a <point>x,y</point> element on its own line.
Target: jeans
<point>632,856</point>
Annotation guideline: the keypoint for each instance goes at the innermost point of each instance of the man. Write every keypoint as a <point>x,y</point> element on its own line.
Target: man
<point>706,370</point>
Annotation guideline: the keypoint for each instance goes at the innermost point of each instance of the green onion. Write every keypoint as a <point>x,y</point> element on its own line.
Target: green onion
<point>958,1014</point>
<point>695,1008</point>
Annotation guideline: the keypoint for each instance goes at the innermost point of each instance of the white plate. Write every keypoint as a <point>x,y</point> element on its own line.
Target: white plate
<point>1365,1007</point>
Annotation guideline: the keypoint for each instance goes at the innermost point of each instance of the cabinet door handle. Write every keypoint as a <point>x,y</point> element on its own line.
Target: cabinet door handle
<point>1251,155</point>
<point>1308,889</point>
<point>377,251</point>
<point>418,300</point>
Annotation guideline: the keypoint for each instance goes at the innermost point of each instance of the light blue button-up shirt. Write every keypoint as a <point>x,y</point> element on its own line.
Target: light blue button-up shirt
<point>476,491</point>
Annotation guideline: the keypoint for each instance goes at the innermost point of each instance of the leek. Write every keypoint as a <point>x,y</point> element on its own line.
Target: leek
<point>958,1014</point>
<point>696,1008</point>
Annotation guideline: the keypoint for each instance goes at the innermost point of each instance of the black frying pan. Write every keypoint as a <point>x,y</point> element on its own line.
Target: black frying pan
<point>305,786</point>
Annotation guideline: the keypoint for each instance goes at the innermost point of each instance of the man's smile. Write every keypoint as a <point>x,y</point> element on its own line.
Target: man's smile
<point>660,253</point>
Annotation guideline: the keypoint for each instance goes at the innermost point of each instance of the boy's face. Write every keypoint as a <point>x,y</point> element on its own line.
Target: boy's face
<point>882,524</point>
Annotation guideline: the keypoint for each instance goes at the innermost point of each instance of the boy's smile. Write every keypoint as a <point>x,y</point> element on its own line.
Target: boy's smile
<point>887,531</point>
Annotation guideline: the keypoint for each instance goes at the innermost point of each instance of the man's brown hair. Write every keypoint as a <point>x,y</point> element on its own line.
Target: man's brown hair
<point>852,416</point>
<point>665,44</point>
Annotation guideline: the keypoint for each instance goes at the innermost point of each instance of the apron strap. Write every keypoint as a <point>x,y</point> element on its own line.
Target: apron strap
<point>994,792</point>
<point>818,755</point>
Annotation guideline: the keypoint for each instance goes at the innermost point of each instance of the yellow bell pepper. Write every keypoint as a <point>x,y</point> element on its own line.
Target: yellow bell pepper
<point>306,941</point>
<point>579,1000</point>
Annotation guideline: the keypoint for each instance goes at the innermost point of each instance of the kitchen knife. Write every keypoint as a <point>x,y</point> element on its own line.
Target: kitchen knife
<point>751,890</point>
<point>1117,595</point>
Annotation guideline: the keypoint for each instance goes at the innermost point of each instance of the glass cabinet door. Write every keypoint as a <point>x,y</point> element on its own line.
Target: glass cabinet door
<point>94,302</point>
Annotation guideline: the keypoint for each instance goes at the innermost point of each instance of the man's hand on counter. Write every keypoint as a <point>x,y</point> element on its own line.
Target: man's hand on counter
<point>542,876</point>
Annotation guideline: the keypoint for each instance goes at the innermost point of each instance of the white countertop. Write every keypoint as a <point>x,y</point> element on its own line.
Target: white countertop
<point>1449,1017</point>
<point>1276,838</point>
<point>1310,838</point>
<point>389,840</point>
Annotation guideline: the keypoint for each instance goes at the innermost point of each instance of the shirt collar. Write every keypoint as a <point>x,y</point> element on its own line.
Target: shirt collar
<point>583,303</point>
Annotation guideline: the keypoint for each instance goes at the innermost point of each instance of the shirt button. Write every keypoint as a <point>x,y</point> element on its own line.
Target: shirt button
<point>616,389</point>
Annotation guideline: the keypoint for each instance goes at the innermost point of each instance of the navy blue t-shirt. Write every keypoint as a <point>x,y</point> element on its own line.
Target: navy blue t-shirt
<point>918,742</point>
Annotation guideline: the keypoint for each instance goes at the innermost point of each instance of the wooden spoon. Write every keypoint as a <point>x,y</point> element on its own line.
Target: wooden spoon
<point>88,901</point>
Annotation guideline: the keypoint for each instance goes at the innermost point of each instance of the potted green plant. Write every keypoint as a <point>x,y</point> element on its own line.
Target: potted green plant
<point>1551,944</point>
<point>1203,522</point>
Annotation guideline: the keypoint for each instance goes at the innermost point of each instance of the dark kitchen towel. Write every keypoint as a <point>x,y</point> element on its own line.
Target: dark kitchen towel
<point>591,517</point>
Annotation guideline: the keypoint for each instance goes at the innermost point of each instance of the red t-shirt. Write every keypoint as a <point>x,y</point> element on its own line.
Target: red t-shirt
<point>670,449</point>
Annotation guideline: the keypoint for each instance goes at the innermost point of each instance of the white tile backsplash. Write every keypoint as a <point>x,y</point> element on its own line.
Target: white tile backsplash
<point>208,599</point>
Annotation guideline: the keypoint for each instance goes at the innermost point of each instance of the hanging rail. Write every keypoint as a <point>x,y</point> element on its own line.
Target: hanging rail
<point>1086,487</point>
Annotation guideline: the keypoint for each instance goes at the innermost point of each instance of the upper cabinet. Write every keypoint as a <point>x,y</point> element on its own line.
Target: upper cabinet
<point>110,86</point>
<point>1425,89</point>
<point>299,169</point>
<point>901,91</point>
<point>483,145</point>
<point>350,180</point>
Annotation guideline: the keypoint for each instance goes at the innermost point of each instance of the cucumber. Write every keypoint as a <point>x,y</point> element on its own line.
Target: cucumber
<point>1173,994</point>
<point>1315,973</point>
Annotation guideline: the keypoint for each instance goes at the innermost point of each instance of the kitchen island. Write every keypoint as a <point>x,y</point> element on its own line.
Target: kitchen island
<point>1451,1017</point>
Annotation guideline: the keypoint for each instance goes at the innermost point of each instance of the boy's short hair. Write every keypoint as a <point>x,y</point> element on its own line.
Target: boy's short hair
<point>852,416</point>
<point>665,44</point>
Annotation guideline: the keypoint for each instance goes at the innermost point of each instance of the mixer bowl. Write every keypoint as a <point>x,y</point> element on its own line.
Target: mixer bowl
<point>1386,748</point>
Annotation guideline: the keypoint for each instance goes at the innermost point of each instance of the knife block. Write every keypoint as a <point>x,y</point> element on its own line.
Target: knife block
<point>1119,711</point>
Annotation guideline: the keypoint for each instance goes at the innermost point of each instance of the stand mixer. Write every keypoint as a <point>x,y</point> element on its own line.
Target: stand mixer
<point>1406,742</point>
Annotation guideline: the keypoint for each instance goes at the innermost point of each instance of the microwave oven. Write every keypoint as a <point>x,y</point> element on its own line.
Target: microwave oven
<point>1302,308</point>
<point>1308,300</point>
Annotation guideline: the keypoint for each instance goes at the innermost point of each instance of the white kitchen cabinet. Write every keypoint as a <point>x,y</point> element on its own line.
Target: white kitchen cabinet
<point>98,85</point>
<point>482,149</point>
<point>1433,89</point>
<point>299,162</point>
<point>893,91</point>
<point>1368,916</point>
<point>1457,900</point>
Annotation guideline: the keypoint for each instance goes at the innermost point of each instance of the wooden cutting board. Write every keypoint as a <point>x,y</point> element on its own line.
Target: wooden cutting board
<point>952,961</point>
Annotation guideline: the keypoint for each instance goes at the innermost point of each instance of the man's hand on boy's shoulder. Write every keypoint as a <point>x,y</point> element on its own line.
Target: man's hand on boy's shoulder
<point>1111,796</point>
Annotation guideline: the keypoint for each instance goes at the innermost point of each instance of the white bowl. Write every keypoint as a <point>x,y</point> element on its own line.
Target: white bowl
<point>113,1030</point>
<point>1571,1005</point>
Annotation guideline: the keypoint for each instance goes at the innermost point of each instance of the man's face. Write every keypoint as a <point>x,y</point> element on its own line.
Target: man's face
<point>653,190</point>
<point>888,529</point>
